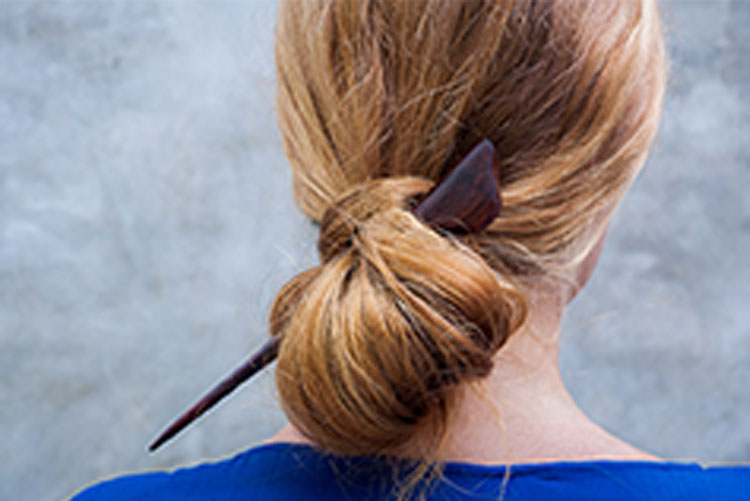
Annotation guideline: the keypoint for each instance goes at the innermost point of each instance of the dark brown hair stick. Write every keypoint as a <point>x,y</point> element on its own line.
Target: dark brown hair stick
<point>465,201</point>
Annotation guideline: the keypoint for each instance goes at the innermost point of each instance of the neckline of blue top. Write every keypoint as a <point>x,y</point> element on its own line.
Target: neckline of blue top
<point>282,471</point>
<point>276,448</point>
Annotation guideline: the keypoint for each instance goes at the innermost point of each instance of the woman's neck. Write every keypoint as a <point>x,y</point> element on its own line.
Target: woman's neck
<point>522,412</point>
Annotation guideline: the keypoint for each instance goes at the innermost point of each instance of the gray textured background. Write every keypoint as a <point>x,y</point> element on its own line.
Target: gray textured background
<point>146,222</point>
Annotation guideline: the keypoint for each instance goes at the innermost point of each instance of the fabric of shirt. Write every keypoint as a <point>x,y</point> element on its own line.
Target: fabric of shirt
<point>294,471</point>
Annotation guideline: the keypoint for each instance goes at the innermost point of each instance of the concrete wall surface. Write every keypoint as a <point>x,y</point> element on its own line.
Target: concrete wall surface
<point>146,223</point>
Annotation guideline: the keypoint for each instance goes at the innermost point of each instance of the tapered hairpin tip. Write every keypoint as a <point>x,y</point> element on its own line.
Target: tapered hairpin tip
<point>261,358</point>
<point>155,445</point>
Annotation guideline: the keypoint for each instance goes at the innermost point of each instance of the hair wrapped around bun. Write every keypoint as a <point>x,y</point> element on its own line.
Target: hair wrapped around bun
<point>375,338</point>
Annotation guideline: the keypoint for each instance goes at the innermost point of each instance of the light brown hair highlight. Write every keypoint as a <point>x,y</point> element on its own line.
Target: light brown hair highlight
<point>376,100</point>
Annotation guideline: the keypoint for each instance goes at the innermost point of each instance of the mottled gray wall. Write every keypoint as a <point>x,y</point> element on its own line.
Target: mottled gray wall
<point>659,344</point>
<point>146,223</point>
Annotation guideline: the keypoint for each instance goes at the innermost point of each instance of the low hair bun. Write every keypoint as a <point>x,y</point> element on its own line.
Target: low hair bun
<point>375,338</point>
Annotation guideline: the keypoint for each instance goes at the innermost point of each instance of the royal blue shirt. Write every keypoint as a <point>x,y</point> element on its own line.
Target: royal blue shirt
<point>292,471</point>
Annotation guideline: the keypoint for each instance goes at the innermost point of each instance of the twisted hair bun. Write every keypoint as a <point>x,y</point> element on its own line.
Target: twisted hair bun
<point>376,337</point>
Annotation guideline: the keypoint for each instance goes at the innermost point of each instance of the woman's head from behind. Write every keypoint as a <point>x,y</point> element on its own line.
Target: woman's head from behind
<point>376,100</point>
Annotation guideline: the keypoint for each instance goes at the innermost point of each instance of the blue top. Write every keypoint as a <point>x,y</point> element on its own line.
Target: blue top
<point>292,471</point>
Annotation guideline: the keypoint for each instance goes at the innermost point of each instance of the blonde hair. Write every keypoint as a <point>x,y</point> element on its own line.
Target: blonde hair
<point>375,101</point>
